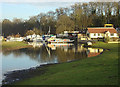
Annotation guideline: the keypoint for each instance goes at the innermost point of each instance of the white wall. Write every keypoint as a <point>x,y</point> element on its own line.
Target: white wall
<point>96,36</point>
<point>101,35</point>
<point>115,35</point>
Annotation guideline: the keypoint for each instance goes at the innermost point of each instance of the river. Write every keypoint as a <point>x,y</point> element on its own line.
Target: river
<point>35,56</point>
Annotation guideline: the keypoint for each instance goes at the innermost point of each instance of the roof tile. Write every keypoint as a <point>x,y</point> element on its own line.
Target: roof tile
<point>101,30</point>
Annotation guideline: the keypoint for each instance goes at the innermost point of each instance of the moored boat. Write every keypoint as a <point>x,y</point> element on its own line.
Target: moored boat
<point>59,41</point>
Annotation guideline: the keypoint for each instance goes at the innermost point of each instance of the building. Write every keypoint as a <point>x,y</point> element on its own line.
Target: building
<point>102,32</point>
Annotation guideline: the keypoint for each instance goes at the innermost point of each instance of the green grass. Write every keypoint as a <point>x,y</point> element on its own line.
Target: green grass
<point>99,70</point>
<point>12,45</point>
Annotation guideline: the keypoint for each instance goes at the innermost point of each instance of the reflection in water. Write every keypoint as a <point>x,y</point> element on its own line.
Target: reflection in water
<point>29,57</point>
<point>94,52</point>
<point>56,53</point>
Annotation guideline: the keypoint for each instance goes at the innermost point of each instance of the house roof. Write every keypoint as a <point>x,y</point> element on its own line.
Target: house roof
<point>102,30</point>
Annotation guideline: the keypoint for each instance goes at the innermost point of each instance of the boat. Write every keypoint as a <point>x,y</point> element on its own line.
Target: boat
<point>14,39</point>
<point>89,43</point>
<point>37,40</point>
<point>62,45</point>
<point>53,40</point>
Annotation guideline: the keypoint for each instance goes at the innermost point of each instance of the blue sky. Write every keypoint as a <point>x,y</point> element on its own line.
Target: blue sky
<point>10,9</point>
<point>25,10</point>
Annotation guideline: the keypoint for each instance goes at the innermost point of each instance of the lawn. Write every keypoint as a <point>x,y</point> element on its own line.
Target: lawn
<point>99,70</point>
<point>13,45</point>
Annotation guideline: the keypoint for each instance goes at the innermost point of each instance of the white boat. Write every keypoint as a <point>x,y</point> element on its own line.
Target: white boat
<point>59,41</point>
<point>53,46</point>
<point>60,44</point>
<point>89,43</point>
<point>37,40</point>
<point>14,39</point>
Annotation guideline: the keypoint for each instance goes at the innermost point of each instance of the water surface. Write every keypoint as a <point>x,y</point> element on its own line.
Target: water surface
<point>31,57</point>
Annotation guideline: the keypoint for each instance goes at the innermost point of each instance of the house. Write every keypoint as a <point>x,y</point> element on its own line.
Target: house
<point>102,32</point>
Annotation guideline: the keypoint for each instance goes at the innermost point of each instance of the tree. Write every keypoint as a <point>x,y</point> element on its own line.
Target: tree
<point>7,27</point>
<point>29,32</point>
<point>37,31</point>
<point>77,15</point>
<point>64,23</point>
<point>18,35</point>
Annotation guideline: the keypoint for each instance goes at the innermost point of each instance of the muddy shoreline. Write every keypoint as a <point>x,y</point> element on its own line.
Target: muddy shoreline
<point>18,75</point>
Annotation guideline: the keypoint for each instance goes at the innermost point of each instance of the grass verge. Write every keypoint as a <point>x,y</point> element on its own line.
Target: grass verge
<point>13,45</point>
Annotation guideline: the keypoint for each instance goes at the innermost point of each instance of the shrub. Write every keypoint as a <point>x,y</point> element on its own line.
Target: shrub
<point>107,39</point>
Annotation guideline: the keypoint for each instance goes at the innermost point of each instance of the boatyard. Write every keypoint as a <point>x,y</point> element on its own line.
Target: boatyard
<point>59,43</point>
<point>79,44</point>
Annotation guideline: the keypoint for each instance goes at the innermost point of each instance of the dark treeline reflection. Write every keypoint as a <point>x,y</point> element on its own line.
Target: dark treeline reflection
<point>59,54</point>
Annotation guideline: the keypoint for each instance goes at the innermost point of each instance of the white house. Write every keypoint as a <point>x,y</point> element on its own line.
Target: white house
<point>102,32</point>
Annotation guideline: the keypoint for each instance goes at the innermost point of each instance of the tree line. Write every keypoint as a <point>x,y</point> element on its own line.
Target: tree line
<point>76,17</point>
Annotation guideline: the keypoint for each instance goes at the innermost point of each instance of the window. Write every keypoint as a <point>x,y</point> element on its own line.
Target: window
<point>112,34</point>
<point>99,34</point>
<point>94,34</point>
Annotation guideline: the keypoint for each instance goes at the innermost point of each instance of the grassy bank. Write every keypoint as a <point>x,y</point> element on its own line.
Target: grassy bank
<point>13,45</point>
<point>99,70</point>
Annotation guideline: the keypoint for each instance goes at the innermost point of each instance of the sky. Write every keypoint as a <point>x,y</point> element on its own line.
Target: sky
<point>10,9</point>
<point>25,10</point>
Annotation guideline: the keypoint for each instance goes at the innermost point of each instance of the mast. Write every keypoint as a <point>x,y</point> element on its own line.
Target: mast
<point>49,30</point>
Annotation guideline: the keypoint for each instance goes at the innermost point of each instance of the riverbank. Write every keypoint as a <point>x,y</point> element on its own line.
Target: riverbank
<point>7,46</point>
<point>99,70</point>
